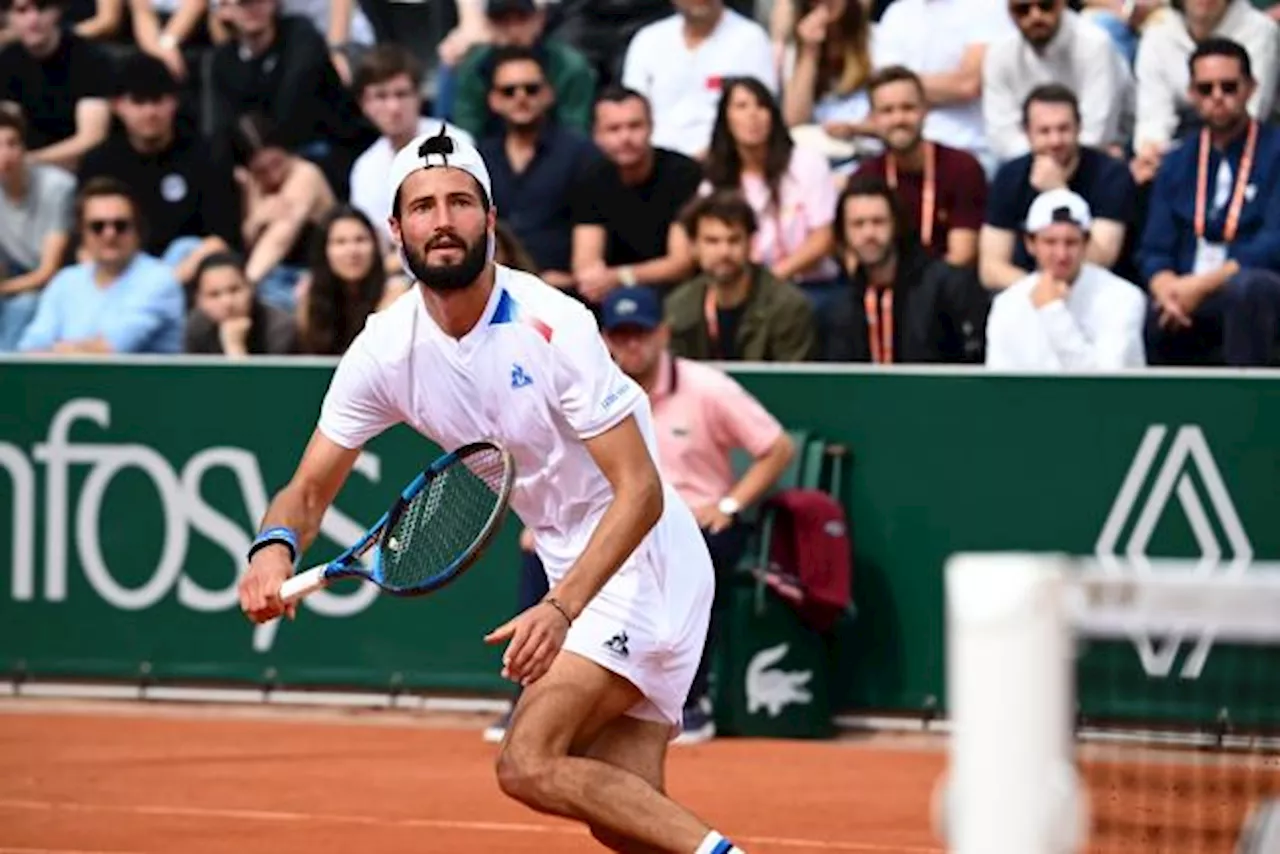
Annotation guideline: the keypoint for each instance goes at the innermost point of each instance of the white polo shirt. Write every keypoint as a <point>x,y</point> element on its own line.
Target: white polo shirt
<point>684,85</point>
<point>1099,326</point>
<point>535,374</point>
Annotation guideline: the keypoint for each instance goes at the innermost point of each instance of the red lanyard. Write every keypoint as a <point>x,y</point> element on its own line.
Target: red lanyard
<point>928,190</point>
<point>712,318</point>
<point>1237,195</point>
<point>878,304</point>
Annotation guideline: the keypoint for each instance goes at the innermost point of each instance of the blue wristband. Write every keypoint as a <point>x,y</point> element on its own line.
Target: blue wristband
<point>280,534</point>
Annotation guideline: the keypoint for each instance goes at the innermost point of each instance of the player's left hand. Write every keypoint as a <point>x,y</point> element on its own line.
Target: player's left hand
<point>535,636</point>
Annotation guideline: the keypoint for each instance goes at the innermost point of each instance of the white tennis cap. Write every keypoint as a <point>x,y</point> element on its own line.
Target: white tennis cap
<point>1055,206</point>
<point>438,149</point>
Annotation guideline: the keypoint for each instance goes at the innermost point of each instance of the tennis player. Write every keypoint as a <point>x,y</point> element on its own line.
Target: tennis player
<point>482,351</point>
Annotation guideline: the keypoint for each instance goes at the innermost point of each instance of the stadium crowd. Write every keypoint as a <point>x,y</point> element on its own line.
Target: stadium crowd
<point>1036,184</point>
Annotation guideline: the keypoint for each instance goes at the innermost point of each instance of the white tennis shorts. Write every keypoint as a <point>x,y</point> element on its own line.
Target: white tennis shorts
<point>649,622</point>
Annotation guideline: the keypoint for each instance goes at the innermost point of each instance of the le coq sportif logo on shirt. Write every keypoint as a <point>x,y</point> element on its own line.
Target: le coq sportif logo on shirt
<point>520,377</point>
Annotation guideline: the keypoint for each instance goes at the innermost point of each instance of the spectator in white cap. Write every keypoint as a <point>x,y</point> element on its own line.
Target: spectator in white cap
<point>1070,314</point>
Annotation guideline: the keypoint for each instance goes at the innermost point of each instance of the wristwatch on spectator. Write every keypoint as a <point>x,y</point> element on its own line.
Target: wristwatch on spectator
<point>627,277</point>
<point>729,506</point>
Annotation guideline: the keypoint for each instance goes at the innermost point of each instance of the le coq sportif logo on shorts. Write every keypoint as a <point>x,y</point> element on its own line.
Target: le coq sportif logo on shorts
<point>618,645</point>
<point>1143,500</point>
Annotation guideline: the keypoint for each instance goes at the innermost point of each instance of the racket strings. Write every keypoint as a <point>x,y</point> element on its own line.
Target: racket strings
<point>443,522</point>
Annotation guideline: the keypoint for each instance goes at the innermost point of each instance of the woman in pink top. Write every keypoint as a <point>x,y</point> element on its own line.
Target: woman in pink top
<point>791,189</point>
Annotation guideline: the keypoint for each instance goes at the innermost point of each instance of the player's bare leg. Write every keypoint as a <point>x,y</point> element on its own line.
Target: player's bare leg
<point>572,703</point>
<point>641,748</point>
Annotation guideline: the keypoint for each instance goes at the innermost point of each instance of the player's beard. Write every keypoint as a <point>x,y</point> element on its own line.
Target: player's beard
<point>448,277</point>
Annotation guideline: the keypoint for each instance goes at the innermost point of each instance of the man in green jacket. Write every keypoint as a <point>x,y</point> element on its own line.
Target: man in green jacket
<point>734,309</point>
<point>522,23</point>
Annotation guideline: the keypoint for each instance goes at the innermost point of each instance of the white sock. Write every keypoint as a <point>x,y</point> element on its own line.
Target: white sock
<point>717,844</point>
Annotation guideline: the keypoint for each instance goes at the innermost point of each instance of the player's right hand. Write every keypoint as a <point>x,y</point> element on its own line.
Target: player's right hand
<point>260,585</point>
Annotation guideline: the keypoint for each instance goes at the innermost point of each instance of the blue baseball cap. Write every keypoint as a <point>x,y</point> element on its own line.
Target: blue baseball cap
<point>631,307</point>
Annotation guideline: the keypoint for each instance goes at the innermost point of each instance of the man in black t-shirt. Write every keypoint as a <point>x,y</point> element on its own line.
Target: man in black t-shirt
<point>628,202</point>
<point>187,197</point>
<point>1051,117</point>
<point>279,65</point>
<point>60,80</point>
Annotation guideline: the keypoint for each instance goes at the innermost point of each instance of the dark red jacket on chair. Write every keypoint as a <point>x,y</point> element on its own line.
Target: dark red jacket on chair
<point>811,555</point>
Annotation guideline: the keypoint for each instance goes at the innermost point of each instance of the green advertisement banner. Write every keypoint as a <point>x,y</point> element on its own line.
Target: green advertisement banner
<point>129,491</point>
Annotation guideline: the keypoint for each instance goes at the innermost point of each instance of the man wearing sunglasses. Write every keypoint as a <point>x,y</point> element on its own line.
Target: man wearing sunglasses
<point>118,300</point>
<point>1053,44</point>
<point>1163,108</point>
<point>1211,249</point>
<point>536,164</point>
<point>516,23</point>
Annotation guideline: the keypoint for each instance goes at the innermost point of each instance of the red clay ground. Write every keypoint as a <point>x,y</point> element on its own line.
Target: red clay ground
<point>128,779</point>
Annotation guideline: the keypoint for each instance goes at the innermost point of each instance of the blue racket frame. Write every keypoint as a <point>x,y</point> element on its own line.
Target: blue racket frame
<point>348,564</point>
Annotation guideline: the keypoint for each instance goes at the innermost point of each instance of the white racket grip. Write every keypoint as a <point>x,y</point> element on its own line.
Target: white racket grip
<point>303,584</point>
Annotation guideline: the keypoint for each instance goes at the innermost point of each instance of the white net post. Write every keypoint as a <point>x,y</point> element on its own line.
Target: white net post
<point>1011,786</point>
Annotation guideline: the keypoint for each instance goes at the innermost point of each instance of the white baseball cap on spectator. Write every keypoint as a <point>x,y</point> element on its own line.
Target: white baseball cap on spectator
<point>1055,206</point>
<point>438,149</point>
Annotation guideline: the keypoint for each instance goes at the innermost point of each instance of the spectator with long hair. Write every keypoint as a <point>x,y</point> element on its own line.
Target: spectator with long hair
<point>227,319</point>
<point>790,188</point>
<point>826,68</point>
<point>347,283</point>
<point>285,198</point>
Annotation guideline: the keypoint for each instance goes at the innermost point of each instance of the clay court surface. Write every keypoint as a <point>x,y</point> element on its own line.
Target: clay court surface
<point>126,777</point>
<point>120,777</point>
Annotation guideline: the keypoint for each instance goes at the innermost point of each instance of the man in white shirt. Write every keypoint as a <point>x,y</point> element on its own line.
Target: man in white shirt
<point>1069,314</point>
<point>945,42</point>
<point>1054,45</point>
<point>607,658</point>
<point>681,62</point>
<point>388,87</point>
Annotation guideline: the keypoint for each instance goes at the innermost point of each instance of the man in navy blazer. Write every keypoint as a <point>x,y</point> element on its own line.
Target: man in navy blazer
<point>1210,253</point>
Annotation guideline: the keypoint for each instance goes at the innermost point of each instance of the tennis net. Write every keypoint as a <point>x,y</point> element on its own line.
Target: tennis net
<point>1110,708</point>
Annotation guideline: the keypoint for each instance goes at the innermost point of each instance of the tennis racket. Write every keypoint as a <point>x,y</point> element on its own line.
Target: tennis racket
<point>440,524</point>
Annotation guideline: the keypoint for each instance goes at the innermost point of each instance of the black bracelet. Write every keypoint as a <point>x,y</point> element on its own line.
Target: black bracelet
<point>555,603</point>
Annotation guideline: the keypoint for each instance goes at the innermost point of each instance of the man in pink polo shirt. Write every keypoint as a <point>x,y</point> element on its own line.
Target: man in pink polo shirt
<point>701,416</point>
